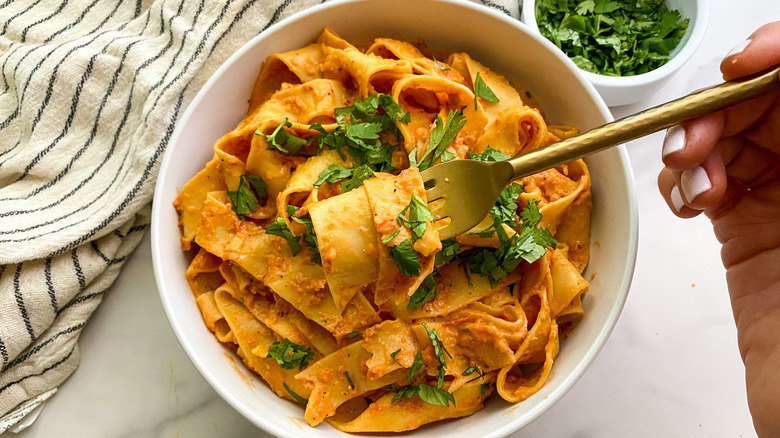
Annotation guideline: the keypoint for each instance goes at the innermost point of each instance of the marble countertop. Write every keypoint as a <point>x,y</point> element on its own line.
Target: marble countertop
<point>671,367</point>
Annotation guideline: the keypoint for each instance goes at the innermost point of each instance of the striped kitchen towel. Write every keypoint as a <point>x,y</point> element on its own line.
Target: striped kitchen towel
<point>90,93</point>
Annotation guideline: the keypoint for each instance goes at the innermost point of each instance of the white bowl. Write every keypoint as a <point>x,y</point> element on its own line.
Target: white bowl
<point>493,39</point>
<point>623,90</point>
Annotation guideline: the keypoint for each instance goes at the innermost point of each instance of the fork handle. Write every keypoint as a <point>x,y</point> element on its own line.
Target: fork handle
<point>644,123</point>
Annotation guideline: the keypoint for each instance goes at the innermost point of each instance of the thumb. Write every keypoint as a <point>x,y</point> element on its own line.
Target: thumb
<point>759,52</point>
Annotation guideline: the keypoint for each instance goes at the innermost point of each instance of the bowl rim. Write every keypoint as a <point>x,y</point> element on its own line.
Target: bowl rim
<point>567,381</point>
<point>678,60</point>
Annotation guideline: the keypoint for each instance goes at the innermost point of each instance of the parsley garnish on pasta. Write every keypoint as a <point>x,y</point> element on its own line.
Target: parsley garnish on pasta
<point>481,89</point>
<point>279,228</point>
<point>529,245</point>
<point>351,178</point>
<point>295,396</point>
<point>281,140</point>
<point>406,259</point>
<point>358,128</point>
<point>416,365</point>
<point>308,236</point>
<point>442,135</point>
<point>418,217</point>
<point>290,355</point>
<point>424,293</point>
<point>489,154</point>
<point>244,200</point>
<point>471,370</point>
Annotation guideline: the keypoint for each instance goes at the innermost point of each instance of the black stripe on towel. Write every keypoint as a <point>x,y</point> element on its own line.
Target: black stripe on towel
<point>105,258</point>
<point>3,351</point>
<point>20,303</point>
<point>41,345</point>
<point>43,20</point>
<point>276,14</point>
<point>50,285</point>
<point>79,273</point>
<point>19,14</point>
<point>46,370</point>
<point>82,299</point>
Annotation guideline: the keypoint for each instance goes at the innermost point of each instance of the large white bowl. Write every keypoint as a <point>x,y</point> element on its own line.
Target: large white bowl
<point>623,90</point>
<point>496,40</point>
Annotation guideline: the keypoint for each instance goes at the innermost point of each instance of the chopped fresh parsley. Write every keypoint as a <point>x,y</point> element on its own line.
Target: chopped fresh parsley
<point>481,89</point>
<point>333,174</point>
<point>441,66</point>
<point>354,334</point>
<point>290,355</point>
<point>423,294</point>
<point>283,141</point>
<point>406,391</point>
<point>349,380</point>
<point>448,253</point>
<point>435,395</point>
<point>490,154</point>
<point>505,208</point>
<point>442,135</point>
<point>612,37</point>
<point>279,228</point>
<point>406,259</point>
<point>297,397</point>
<point>308,236</point>
<point>483,388</point>
<point>529,244</point>
<point>389,238</point>
<point>471,370</point>
<point>428,394</point>
<point>244,199</point>
<point>438,351</point>
<point>416,365</point>
<point>351,178</point>
<point>358,131</point>
<point>393,356</point>
<point>419,214</point>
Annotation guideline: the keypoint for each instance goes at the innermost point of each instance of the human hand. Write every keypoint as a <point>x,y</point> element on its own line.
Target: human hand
<point>727,165</point>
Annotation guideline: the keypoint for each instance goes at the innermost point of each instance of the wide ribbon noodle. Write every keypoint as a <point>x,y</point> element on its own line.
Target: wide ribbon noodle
<point>316,258</point>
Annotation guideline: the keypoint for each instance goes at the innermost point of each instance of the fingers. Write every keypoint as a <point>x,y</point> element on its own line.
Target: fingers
<point>689,144</point>
<point>699,188</point>
<point>712,161</point>
<point>734,166</point>
<point>670,190</point>
<point>759,52</point>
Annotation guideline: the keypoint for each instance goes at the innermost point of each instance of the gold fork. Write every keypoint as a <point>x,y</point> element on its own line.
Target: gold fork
<point>464,190</point>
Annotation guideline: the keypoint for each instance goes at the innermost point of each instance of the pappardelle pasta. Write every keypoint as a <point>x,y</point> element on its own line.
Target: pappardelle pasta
<point>316,256</point>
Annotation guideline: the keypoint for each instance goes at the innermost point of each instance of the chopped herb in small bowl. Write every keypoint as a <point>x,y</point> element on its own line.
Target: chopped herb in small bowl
<point>612,37</point>
<point>626,48</point>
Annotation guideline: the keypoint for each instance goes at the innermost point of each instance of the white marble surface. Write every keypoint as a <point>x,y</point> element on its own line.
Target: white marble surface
<point>671,367</point>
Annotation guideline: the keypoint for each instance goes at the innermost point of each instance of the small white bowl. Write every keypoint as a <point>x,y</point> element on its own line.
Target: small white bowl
<point>491,38</point>
<point>623,90</point>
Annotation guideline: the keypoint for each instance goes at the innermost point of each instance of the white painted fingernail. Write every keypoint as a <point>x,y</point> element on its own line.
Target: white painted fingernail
<point>694,182</point>
<point>739,48</point>
<point>677,200</point>
<point>674,140</point>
